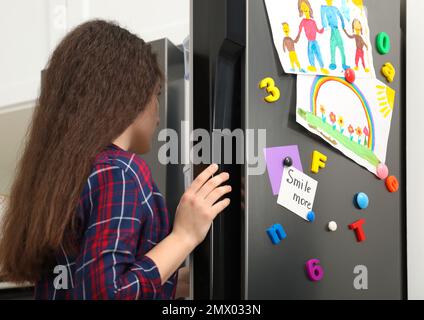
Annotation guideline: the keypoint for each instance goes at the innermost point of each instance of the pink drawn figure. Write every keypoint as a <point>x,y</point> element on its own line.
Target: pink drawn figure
<point>360,43</point>
<point>310,27</point>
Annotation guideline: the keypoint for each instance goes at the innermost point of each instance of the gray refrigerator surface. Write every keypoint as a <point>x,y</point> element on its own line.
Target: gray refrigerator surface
<point>169,177</point>
<point>278,271</point>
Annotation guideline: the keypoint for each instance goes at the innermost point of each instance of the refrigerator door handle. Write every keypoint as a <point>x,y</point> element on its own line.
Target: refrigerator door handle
<point>229,58</point>
<point>226,118</point>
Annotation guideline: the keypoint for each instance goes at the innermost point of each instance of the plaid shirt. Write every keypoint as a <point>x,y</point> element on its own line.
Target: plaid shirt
<point>123,215</point>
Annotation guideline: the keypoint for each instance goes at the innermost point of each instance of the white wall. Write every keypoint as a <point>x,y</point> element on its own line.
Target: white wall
<point>415,149</point>
<point>24,49</point>
<point>151,20</point>
<point>29,31</point>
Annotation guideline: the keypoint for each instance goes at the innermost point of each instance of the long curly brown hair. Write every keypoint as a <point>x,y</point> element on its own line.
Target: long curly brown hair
<point>97,81</point>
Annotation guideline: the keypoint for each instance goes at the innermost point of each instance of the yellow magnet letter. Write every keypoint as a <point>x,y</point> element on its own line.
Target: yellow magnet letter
<point>318,161</point>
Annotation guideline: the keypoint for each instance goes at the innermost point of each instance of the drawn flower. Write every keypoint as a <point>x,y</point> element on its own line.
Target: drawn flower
<point>332,117</point>
<point>341,124</point>
<point>351,131</point>
<point>359,134</point>
<point>333,120</point>
<point>323,117</point>
<point>367,134</point>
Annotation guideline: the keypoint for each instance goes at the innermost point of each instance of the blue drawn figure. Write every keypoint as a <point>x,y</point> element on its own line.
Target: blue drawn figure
<point>330,16</point>
<point>345,10</point>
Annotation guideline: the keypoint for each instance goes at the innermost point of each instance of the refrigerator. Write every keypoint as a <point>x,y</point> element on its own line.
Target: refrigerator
<point>231,51</point>
<point>169,177</point>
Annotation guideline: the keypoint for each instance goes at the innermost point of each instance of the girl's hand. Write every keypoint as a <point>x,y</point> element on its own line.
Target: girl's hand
<point>199,206</point>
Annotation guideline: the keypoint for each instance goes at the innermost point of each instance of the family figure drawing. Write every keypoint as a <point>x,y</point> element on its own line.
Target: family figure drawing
<point>333,19</point>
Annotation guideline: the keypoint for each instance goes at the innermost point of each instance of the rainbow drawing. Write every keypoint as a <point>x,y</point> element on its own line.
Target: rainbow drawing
<point>321,80</point>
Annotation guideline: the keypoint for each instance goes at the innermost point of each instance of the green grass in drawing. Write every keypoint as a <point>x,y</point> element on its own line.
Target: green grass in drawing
<point>336,137</point>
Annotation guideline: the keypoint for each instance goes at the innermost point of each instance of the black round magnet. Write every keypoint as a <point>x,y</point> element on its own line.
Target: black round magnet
<point>288,162</point>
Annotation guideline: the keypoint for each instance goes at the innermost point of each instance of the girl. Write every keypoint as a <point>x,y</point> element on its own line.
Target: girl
<point>360,44</point>
<point>311,29</point>
<point>85,219</point>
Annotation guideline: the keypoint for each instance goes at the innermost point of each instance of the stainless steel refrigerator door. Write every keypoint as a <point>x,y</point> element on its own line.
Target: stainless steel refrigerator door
<point>278,271</point>
<point>169,177</point>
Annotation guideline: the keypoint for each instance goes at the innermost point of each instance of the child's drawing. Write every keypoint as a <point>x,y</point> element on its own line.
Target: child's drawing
<point>359,115</point>
<point>332,35</point>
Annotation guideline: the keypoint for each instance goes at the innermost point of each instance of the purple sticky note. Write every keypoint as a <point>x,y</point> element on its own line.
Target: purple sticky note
<point>274,158</point>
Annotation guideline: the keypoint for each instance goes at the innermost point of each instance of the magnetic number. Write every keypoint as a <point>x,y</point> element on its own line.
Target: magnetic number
<point>269,85</point>
<point>383,43</point>
<point>314,270</point>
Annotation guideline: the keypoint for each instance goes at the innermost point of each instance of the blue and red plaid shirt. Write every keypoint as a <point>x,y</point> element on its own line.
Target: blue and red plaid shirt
<point>123,215</point>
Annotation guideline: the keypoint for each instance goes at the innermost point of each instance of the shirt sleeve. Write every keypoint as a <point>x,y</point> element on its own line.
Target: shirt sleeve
<point>324,17</point>
<point>341,18</point>
<point>107,267</point>
<point>316,28</point>
<point>301,25</point>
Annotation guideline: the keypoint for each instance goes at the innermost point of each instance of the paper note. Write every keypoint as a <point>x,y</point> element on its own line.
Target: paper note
<point>353,118</point>
<point>274,158</point>
<point>297,192</point>
<point>321,37</point>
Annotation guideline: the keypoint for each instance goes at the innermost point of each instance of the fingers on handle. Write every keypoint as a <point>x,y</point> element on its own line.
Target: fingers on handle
<point>220,206</point>
<point>217,193</point>
<point>212,184</point>
<point>203,177</point>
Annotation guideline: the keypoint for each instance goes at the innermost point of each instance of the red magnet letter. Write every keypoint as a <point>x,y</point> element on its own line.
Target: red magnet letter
<point>357,226</point>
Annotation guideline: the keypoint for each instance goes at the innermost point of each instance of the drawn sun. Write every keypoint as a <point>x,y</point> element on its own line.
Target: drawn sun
<point>386,99</point>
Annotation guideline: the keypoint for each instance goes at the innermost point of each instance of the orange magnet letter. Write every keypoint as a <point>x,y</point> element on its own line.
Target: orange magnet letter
<point>318,161</point>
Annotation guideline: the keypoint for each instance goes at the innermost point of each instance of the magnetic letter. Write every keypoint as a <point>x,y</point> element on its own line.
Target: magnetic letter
<point>276,233</point>
<point>359,231</point>
<point>318,161</point>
